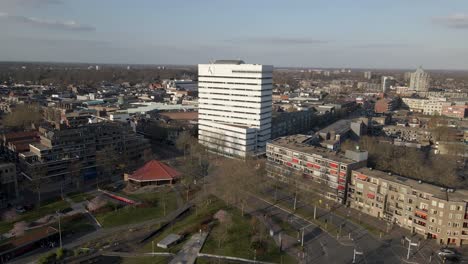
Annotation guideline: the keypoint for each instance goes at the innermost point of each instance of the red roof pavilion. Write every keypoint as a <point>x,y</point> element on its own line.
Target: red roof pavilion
<point>154,172</point>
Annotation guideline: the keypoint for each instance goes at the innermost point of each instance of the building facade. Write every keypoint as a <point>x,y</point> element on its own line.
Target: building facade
<point>8,184</point>
<point>314,169</point>
<point>235,107</point>
<point>385,105</point>
<point>434,212</point>
<point>420,80</point>
<point>455,111</point>
<point>74,155</point>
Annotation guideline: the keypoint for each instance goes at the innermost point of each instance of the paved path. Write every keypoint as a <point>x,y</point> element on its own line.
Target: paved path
<point>81,208</point>
<point>102,233</point>
<point>189,252</point>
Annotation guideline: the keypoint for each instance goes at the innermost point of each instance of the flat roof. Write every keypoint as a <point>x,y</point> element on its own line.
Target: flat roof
<point>169,240</point>
<point>296,142</point>
<point>436,191</point>
<point>237,62</point>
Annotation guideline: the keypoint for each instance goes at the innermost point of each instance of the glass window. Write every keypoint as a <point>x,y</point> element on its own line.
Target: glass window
<point>441,205</point>
<point>434,203</point>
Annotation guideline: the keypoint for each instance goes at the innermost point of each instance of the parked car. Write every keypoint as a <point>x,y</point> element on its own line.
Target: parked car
<point>447,253</point>
<point>20,209</point>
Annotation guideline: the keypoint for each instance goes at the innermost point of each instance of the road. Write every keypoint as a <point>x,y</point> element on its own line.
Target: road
<point>321,247</point>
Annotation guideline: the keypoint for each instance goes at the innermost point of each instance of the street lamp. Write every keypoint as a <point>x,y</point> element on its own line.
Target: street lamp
<point>356,253</point>
<point>409,246</point>
<point>60,228</point>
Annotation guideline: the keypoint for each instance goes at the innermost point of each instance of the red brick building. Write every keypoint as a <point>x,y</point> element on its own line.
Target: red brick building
<point>456,111</point>
<point>385,105</point>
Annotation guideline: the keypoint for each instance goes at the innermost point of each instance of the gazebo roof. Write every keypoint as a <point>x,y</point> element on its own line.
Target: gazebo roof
<point>154,171</point>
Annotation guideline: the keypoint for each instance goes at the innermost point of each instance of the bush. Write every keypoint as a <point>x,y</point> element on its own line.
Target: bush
<point>49,258</point>
<point>60,253</point>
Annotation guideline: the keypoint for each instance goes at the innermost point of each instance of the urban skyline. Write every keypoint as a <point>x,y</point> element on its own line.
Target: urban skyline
<point>302,34</point>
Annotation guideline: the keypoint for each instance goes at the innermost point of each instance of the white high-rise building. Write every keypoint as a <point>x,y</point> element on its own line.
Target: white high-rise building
<point>235,105</point>
<point>420,80</point>
<point>387,82</point>
<point>368,75</point>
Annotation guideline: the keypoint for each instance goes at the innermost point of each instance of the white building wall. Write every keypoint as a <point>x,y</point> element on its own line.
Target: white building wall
<point>235,104</point>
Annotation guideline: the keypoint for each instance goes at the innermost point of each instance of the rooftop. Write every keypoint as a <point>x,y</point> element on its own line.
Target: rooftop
<point>237,62</point>
<point>436,191</point>
<point>154,171</point>
<point>298,143</point>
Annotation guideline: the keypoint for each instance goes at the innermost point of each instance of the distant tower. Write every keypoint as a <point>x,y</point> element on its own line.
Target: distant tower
<point>387,82</point>
<point>368,75</point>
<point>420,80</point>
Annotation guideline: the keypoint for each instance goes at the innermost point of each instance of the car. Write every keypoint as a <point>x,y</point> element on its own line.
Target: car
<point>447,253</point>
<point>20,209</point>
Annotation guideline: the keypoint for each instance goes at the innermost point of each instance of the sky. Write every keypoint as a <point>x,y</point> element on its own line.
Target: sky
<point>308,33</point>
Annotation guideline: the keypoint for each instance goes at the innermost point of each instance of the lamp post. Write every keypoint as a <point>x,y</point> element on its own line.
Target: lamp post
<point>409,246</point>
<point>60,229</point>
<point>355,252</point>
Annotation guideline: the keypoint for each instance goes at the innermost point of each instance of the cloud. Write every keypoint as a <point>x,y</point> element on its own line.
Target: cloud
<point>457,21</point>
<point>46,23</point>
<point>28,3</point>
<point>280,40</point>
<point>382,45</point>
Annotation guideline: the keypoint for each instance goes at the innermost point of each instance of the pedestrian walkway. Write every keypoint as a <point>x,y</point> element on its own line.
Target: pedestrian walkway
<point>80,207</point>
<point>189,252</point>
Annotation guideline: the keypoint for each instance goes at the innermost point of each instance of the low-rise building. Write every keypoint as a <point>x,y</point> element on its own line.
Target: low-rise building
<point>319,170</point>
<point>455,111</point>
<point>413,104</point>
<point>426,209</point>
<point>385,105</point>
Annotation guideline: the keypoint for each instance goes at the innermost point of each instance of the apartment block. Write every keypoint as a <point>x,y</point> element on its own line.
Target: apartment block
<point>426,209</point>
<point>455,111</point>
<point>74,155</point>
<point>294,161</point>
<point>386,105</point>
<point>414,104</point>
<point>8,183</point>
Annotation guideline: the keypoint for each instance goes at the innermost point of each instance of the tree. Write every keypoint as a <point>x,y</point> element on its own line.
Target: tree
<point>23,116</point>
<point>183,142</point>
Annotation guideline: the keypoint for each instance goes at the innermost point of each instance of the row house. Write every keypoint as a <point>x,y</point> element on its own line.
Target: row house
<point>426,209</point>
<point>325,172</point>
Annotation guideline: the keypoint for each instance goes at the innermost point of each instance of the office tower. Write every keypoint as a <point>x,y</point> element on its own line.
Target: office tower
<point>419,80</point>
<point>235,104</point>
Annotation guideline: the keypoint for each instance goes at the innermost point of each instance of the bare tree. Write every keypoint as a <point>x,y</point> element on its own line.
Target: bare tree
<point>23,116</point>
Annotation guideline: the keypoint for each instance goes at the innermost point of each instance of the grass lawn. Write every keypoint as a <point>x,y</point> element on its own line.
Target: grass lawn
<point>236,243</point>
<point>146,260</point>
<point>132,214</point>
<point>35,214</point>
<point>80,197</point>
<point>191,222</point>
<point>76,224</point>
<point>236,240</point>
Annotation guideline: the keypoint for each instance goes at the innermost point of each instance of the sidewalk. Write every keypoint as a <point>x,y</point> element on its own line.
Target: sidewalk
<point>189,252</point>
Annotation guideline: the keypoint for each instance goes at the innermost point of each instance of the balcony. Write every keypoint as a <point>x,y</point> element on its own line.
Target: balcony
<point>420,215</point>
<point>424,198</point>
<point>418,222</point>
